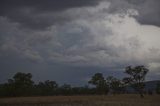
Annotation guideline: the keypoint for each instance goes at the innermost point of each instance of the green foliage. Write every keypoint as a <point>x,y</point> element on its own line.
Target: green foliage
<point>136,77</point>
<point>47,88</point>
<point>22,85</point>
<point>115,85</point>
<point>100,83</point>
<point>65,89</point>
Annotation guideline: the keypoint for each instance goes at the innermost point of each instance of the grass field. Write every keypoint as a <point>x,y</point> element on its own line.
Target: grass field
<point>112,100</point>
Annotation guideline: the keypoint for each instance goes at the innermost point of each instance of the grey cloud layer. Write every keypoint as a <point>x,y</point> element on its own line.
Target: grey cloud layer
<point>40,15</point>
<point>93,33</point>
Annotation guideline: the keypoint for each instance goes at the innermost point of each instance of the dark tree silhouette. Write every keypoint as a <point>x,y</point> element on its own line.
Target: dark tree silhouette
<point>158,88</point>
<point>47,88</point>
<point>136,78</point>
<point>115,85</point>
<point>21,84</point>
<point>65,89</point>
<point>100,83</point>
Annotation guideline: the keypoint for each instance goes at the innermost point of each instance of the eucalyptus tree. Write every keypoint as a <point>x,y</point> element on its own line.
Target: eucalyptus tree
<point>136,78</point>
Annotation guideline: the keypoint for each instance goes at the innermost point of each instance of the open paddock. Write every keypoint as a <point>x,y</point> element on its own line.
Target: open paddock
<point>93,100</point>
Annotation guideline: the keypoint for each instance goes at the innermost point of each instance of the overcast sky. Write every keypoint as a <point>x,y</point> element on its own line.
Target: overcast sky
<point>70,40</point>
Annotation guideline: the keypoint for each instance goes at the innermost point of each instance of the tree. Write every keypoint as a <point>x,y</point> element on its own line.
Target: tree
<point>100,83</point>
<point>21,84</point>
<point>136,78</point>
<point>115,85</point>
<point>65,89</point>
<point>47,88</point>
<point>158,88</point>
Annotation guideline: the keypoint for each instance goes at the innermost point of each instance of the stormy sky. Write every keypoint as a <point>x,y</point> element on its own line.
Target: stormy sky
<point>70,40</point>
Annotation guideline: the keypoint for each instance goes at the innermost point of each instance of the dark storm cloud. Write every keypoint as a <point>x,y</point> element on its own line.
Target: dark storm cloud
<point>38,14</point>
<point>149,10</point>
<point>48,5</point>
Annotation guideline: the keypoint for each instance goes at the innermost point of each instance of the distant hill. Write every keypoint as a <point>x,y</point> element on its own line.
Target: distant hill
<point>149,86</point>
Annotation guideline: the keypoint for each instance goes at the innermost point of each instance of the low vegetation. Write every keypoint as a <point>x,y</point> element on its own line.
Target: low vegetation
<point>22,85</point>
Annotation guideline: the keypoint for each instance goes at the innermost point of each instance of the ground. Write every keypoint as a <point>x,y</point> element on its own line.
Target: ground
<point>96,100</point>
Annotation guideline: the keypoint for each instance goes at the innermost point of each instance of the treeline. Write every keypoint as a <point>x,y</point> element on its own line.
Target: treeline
<point>22,85</point>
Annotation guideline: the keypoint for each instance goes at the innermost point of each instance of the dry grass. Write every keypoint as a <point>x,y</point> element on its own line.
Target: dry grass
<point>112,100</point>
